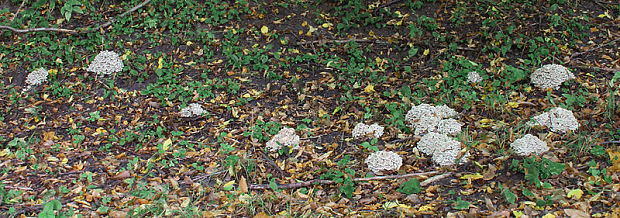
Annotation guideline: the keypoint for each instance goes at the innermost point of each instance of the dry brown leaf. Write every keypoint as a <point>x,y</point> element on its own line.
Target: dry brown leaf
<point>117,214</point>
<point>573,213</point>
<point>261,215</point>
<point>122,175</point>
<point>243,185</point>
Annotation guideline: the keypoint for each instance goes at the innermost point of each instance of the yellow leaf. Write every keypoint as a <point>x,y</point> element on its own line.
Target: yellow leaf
<point>548,216</point>
<point>322,113</point>
<point>427,207</point>
<point>517,213</point>
<point>389,205</point>
<point>167,144</point>
<point>160,63</point>
<point>513,104</point>
<point>369,89</point>
<point>4,152</point>
<point>577,193</point>
<point>52,159</point>
<point>486,120</point>
<point>264,30</point>
<point>229,185</point>
<point>310,31</point>
<point>64,161</point>
<point>426,52</point>
<point>472,176</point>
<point>614,156</point>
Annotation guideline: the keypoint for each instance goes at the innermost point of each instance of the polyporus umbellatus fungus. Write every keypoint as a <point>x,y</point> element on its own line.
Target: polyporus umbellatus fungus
<point>285,137</point>
<point>557,119</point>
<point>106,63</point>
<point>551,76</point>
<point>529,144</point>
<point>361,130</point>
<point>384,162</point>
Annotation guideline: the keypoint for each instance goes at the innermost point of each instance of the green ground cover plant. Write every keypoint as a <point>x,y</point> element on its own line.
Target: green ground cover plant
<point>79,143</point>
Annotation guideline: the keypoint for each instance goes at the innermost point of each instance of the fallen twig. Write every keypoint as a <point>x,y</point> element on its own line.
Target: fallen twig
<point>435,179</point>
<point>608,142</point>
<point>40,29</point>
<point>123,14</point>
<point>572,64</point>
<point>592,49</point>
<point>342,41</point>
<point>79,30</point>
<point>329,182</point>
<point>386,5</point>
<point>18,187</point>
<point>17,12</point>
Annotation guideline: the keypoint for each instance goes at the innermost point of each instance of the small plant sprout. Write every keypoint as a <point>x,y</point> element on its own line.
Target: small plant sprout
<point>384,162</point>
<point>285,137</point>
<point>551,76</point>
<point>106,63</point>
<point>529,144</point>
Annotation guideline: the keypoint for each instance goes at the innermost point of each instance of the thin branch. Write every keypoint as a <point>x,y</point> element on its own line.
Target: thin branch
<point>342,41</point>
<point>106,24</point>
<point>584,67</point>
<point>386,5</point>
<point>40,29</point>
<point>80,30</point>
<point>17,12</point>
<point>608,142</point>
<point>329,182</point>
<point>592,49</point>
<point>435,179</point>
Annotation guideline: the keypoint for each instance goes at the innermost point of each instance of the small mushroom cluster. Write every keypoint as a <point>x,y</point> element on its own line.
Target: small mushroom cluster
<point>192,110</point>
<point>361,130</point>
<point>285,137</point>
<point>550,76</point>
<point>106,63</point>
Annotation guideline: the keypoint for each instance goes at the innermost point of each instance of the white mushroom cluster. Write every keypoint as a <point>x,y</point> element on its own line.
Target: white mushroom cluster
<point>193,109</point>
<point>557,119</point>
<point>529,144</point>
<point>106,62</point>
<point>285,137</point>
<point>474,77</point>
<point>37,77</point>
<point>443,149</point>
<point>550,76</point>
<point>382,162</point>
<point>426,118</point>
<point>449,126</point>
<point>362,130</point>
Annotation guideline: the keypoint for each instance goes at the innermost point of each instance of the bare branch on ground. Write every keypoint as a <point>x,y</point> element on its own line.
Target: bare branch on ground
<point>329,182</point>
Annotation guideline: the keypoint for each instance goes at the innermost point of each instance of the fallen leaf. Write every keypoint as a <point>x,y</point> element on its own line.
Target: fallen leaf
<point>122,175</point>
<point>573,213</point>
<point>243,185</point>
<point>577,193</point>
<point>264,30</point>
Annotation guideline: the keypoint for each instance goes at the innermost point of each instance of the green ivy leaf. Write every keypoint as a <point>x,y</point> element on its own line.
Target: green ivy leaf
<point>410,187</point>
<point>509,195</point>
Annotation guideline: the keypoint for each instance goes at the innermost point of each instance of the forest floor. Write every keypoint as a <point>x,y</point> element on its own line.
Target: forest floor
<point>93,145</point>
